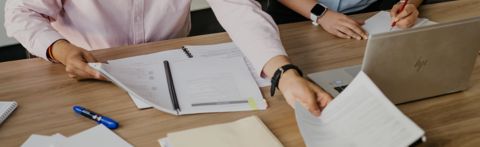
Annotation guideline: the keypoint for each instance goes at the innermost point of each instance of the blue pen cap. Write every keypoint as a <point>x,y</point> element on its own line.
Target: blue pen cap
<point>108,122</point>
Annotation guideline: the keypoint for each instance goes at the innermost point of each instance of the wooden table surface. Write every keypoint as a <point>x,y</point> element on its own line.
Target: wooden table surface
<point>46,95</point>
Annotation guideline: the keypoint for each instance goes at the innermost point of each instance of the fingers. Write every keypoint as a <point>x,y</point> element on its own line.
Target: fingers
<point>394,10</point>
<point>89,57</point>
<point>356,28</point>
<point>405,18</point>
<point>77,68</point>
<point>342,35</point>
<point>342,26</point>
<point>408,21</point>
<point>309,101</point>
<point>322,97</point>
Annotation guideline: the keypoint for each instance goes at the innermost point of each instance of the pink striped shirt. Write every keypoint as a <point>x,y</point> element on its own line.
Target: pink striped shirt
<point>98,24</point>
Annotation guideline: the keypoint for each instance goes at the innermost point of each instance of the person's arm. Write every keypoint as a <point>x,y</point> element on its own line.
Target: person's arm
<point>28,21</point>
<point>256,34</point>
<point>407,17</point>
<point>333,22</point>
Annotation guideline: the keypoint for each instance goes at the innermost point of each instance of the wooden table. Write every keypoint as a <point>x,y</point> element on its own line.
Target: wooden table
<point>46,95</point>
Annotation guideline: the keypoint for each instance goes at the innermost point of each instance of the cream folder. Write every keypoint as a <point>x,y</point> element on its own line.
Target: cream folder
<point>246,132</point>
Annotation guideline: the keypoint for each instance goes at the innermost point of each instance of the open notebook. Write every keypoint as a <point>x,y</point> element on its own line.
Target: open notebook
<point>202,85</point>
<point>221,50</point>
<point>246,132</point>
<point>380,23</point>
<point>360,116</point>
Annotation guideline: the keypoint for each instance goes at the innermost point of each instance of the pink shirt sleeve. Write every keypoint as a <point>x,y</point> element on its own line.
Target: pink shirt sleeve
<point>251,29</point>
<point>28,21</point>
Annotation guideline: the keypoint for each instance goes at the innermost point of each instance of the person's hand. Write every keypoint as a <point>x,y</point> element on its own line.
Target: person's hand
<point>309,95</point>
<point>342,26</point>
<point>405,18</point>
<point>75,60</point>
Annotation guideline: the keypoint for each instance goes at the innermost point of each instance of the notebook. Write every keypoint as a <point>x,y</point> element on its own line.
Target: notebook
<point>6,108</point>
<point>222,50</point>
<point>381,22</point>
<point>246,132</point>
<point>359,116</point>
<point>202,85</point>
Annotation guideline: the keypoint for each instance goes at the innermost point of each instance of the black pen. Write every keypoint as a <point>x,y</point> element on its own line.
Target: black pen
<point>171,87</point>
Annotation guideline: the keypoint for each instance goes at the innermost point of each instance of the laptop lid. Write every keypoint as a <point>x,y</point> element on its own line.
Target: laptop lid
<point>423,62</point>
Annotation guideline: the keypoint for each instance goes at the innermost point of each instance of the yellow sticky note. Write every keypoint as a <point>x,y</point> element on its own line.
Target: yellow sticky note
<point>252,103</point>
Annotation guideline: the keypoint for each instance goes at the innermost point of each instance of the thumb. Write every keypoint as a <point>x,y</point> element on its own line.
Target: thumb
<point>89,57</point>
<point>310,102</point>
<point>394,11</point>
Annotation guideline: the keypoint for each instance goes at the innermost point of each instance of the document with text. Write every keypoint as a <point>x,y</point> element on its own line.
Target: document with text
<point>202,85</point>
<point>359,116</point>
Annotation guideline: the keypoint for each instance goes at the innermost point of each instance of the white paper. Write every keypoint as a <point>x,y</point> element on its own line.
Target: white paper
<point>226,50</point>
<point>138,102</point>
<point>218,85</point>
<point>99,136</point>
<point>359,116</point>
<point>43,141</point>
<point>141,81</point>
<point>202,85</point>
<point>164,143</point>
<point>151,59</point>
<point>381,22</point>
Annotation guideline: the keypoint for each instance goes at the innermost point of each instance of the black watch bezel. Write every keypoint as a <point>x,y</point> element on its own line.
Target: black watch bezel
<point>318,10</point>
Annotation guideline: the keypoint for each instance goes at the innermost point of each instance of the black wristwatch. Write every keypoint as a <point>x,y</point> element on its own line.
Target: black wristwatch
<point>317,11</point>
<point>278,74</point>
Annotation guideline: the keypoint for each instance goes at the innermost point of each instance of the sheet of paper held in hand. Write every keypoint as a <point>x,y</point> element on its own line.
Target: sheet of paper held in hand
<point>360,116</point>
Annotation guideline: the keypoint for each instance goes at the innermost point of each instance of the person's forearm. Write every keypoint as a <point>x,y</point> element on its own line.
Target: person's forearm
<point>302,7</point>
<point>273,64</point>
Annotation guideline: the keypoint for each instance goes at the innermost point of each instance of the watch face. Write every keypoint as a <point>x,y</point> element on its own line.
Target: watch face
<point>318,9</point>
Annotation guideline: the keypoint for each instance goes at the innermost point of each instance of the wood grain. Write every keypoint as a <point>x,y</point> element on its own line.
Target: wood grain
<point>46,95</point>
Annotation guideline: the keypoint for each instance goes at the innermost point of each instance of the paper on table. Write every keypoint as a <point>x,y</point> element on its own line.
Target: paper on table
<point>234,88</point>
<point>43,141</point>
<point>359,116</point>
<point>164,143</point>
<point>223,86</point>
<point>246,132</point>
<point>226,50</point>
<point>148,59</point>
<point>381,22</point>
<point>99,136</point>
<point>145,81</point>
<point>139,103</point>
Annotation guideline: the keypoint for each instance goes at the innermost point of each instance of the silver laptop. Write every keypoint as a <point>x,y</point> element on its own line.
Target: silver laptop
<point>414,64</point>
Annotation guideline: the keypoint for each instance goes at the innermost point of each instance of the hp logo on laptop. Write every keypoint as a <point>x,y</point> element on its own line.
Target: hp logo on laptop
<point>420,64</point>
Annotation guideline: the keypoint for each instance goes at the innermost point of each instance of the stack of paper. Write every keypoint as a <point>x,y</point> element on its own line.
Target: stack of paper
<point>381,22</point>
<point>359,116</point>
<point>97,136</point>
<point>246,132</point>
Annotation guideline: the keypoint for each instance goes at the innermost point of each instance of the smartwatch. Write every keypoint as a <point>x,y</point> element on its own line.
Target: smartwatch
<point>317,11</point>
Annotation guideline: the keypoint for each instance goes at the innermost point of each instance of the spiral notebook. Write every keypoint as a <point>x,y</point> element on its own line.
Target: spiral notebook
<point>221,50</point>
<point>6,108</point>
<point>202,85</point>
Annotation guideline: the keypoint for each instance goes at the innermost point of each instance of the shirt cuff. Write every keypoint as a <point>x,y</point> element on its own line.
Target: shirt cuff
<point>42,41</point>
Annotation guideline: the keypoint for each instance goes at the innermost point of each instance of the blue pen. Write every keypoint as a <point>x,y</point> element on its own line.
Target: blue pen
<point>108,122</point>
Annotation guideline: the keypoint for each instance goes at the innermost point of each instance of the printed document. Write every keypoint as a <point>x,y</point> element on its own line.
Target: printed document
<point>359,116</point>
